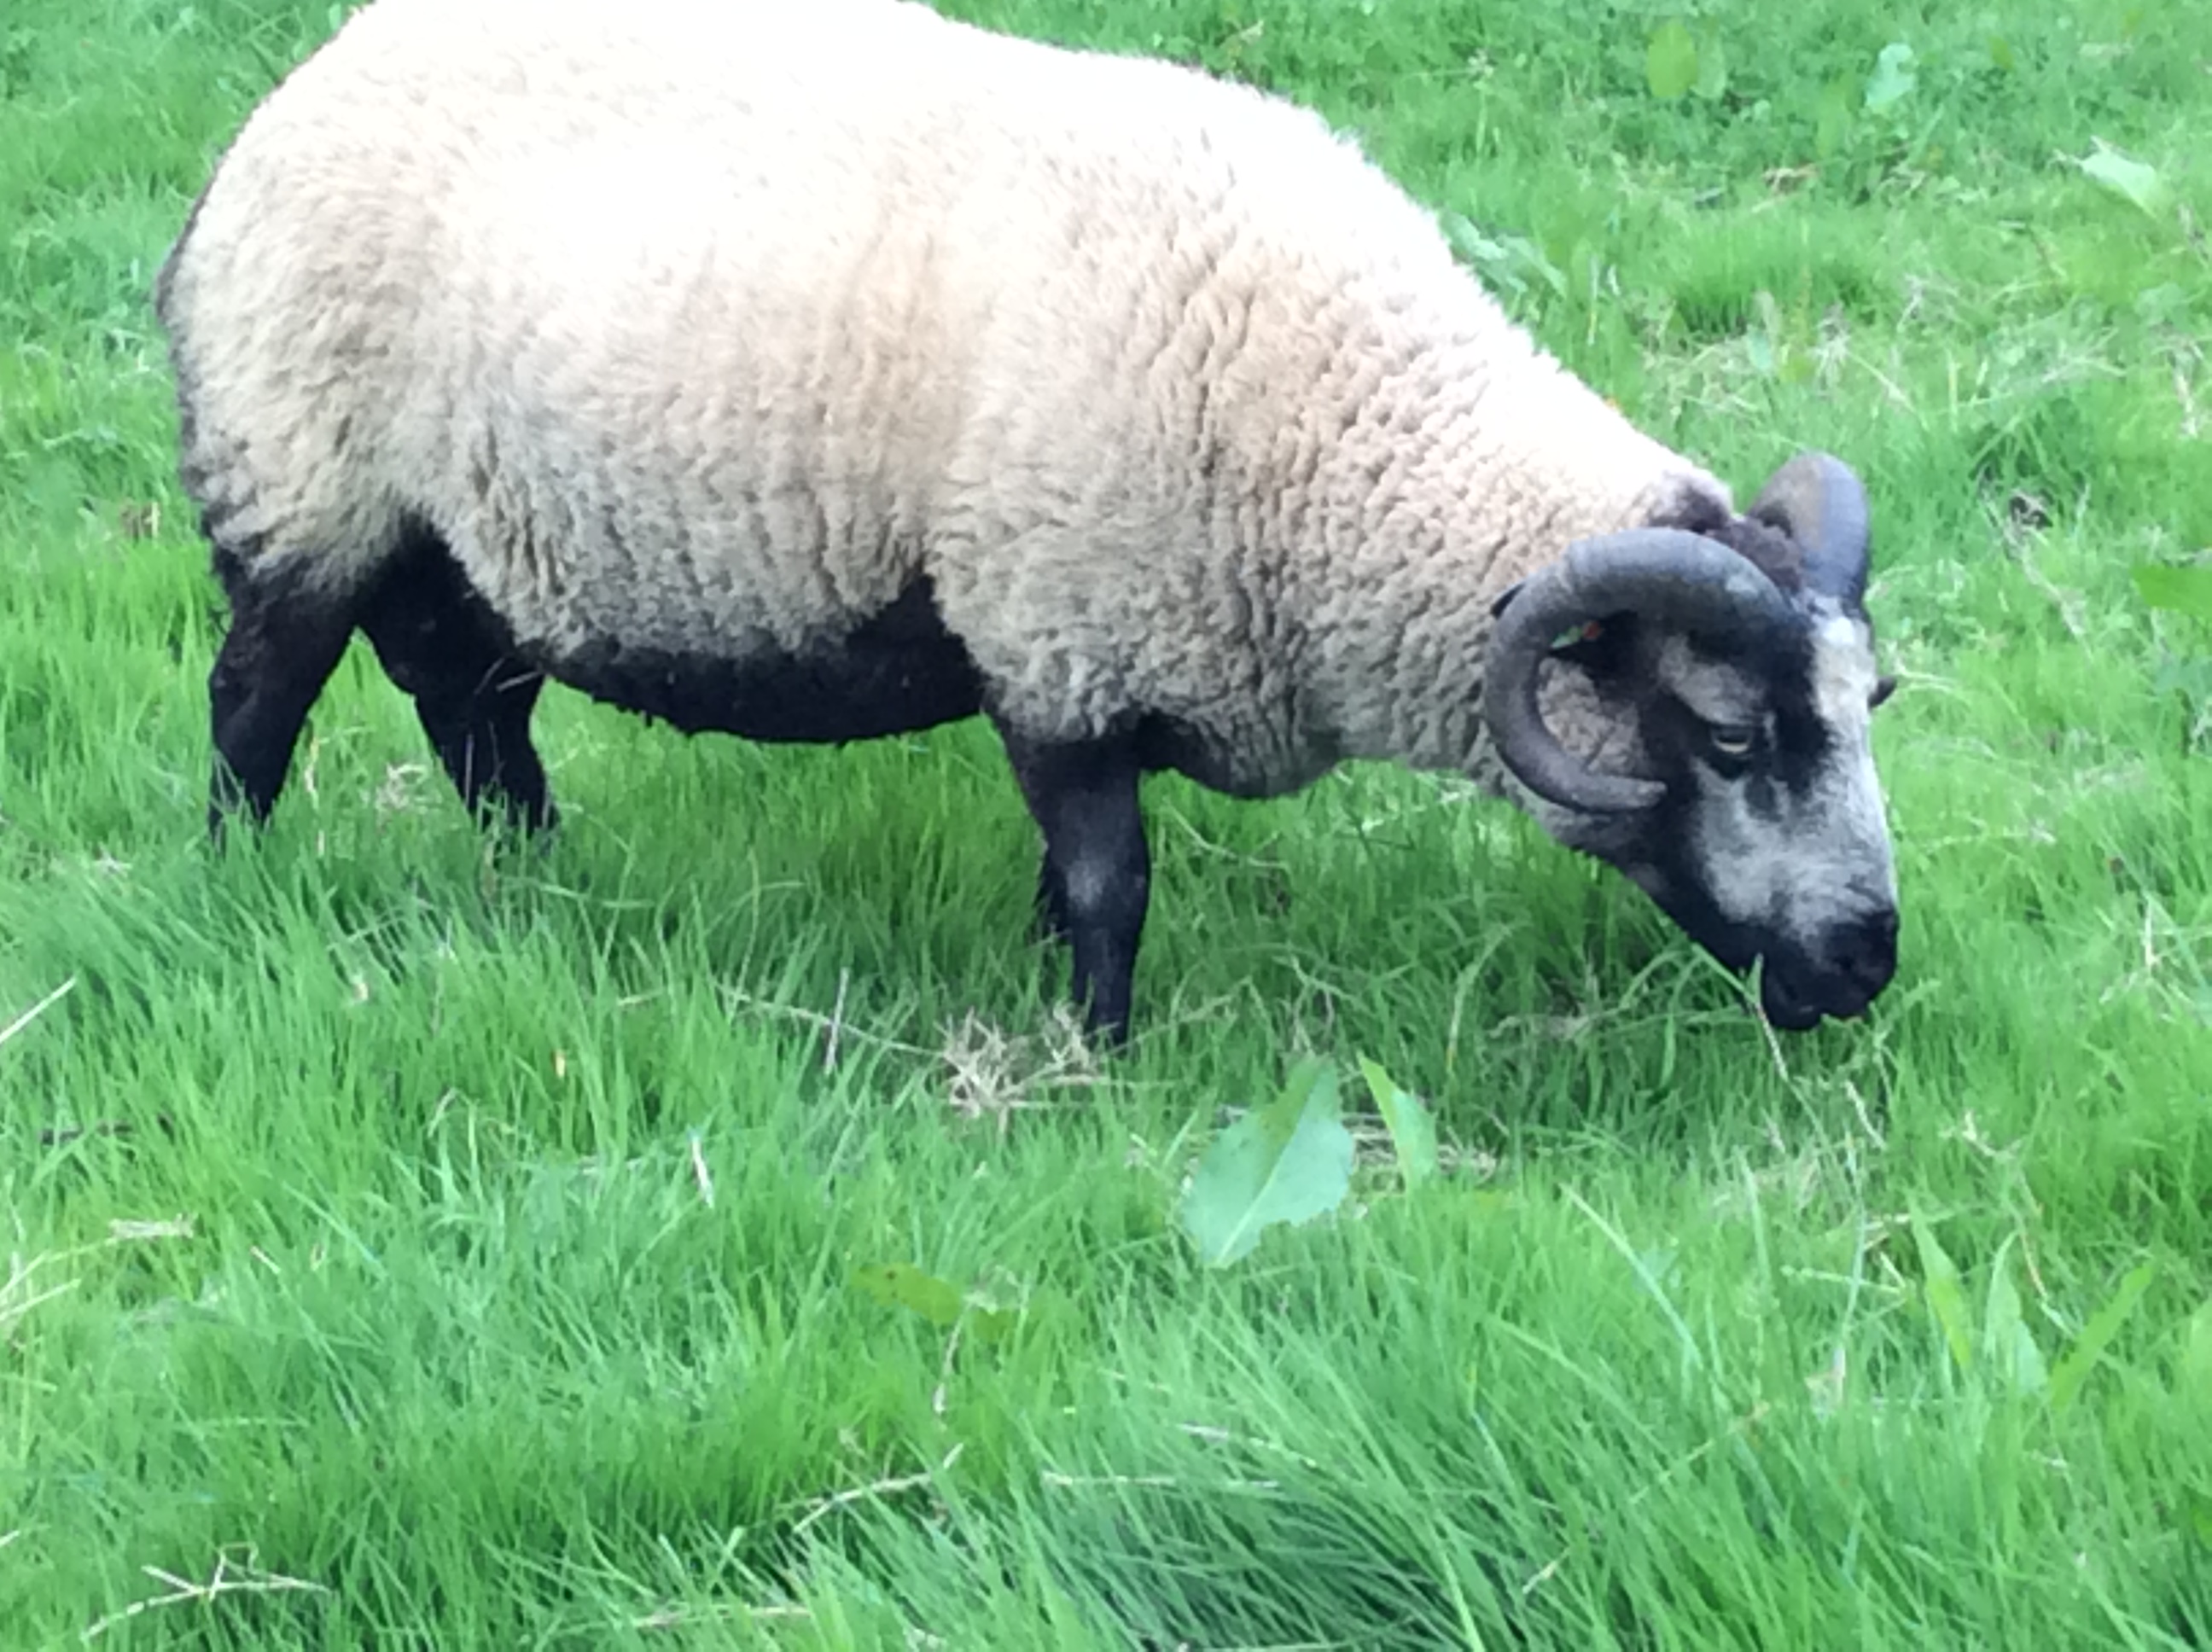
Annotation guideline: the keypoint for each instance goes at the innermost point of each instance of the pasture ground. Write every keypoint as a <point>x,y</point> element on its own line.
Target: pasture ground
<point>411,1247</point>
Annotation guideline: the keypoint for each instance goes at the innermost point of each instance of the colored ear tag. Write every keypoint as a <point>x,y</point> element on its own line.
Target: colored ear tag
<point>1587,631</point>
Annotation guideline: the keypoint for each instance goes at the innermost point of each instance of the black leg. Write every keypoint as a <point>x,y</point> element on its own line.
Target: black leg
<point>1097,870</point>
<point>285,640</point>
<point>438,642</point>
<point>1051,903</point>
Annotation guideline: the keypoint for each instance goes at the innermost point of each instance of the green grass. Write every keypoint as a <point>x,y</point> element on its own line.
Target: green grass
<point>502,1210</point>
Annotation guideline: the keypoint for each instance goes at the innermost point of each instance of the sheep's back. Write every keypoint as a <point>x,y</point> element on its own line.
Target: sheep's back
<point>713,328</point>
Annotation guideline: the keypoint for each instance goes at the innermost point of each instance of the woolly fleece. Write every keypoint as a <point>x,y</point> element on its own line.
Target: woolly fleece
<point>711,329</point>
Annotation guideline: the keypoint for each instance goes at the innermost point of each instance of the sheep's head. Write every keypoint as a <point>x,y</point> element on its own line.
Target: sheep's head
<point>1704,726</point>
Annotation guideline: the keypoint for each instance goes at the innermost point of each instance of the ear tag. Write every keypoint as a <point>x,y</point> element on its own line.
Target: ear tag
<point>1587,631</point>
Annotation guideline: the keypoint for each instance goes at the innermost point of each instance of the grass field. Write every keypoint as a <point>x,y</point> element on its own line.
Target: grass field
<point>408,1247</point>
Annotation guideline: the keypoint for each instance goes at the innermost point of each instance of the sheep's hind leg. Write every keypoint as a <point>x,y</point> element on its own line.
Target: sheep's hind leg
<point>285,640</point>
<point>440,643</point>
<point>1097,879</point>
<point>1051,922</point>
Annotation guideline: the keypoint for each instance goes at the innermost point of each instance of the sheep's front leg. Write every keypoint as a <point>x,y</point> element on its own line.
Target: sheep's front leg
<point>439,643</point>
<point>1098,869</point>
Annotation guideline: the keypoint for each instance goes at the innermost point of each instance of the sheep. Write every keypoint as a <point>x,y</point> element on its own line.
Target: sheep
<point>820,373</point>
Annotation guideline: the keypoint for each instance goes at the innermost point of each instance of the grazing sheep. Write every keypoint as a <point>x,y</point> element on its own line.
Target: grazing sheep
<point>815,371</point>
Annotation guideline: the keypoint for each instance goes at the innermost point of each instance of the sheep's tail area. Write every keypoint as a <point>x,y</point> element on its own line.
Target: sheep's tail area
<point>273,411</point>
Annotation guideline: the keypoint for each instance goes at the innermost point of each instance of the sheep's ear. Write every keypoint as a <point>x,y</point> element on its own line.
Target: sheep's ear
<point>1819,501</point>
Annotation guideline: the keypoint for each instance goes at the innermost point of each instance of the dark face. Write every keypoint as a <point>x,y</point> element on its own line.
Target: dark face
<point>1770,844</point>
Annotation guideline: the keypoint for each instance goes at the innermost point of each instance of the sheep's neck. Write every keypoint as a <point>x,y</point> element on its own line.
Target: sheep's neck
<point>1432,501</point>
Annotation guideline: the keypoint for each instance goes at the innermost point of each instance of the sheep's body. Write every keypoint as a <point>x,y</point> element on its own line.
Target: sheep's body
<point>711,331</point>
<point>819,370</point>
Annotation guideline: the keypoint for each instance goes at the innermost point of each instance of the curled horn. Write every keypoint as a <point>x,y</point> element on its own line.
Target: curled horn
<point>1673,579</point>
<point>1818,502</point>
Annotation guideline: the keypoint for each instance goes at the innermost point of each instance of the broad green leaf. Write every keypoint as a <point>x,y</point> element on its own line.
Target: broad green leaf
<point>1484,255</point>
<point>992,1324</point>
<point>1834,123</point>
<point>2005,1340</point>
<point>1413,1130</point>
<point>2179,590</point>
<point>1893,79</point>
<point>1764,343</point>
<point>2191,678</point>
<point>1530,255</point>
<point>2074,1368</point>
<point>2124,175</point>
<point>901,1284</point>
<point>1502,261</point>
<point>2166,305</point>
<point>2196,1372</point>
<point>1286,1162</point>
<point>1670,60</point>
<point>2021,1362</point>
<point>1712,66</point>
<point>2001,54</point>
<point>1946,1299</point>
<point>2200,1518</point>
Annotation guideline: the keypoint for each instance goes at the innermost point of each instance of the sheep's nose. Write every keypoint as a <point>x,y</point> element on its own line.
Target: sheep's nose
<point>1866,951</point>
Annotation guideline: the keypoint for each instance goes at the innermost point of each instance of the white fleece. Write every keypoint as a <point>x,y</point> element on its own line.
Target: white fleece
<point>710,327</point>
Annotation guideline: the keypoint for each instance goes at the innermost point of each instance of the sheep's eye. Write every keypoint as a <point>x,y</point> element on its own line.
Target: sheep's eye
<point>1731,740</point>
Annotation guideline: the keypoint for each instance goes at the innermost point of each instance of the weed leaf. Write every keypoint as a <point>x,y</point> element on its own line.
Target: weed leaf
<point>1413,1130</point>
<point>1712,66</point>
<point>1833,122</point>
<point>2073,1370</point>
<point>1500,261</point>
<point>2179,590</point>
<point>901,1284</point>
<point>2197,1353</point>
<point>1287,1163</point>
<point>2189,678</point>
<point>2124,176</point>
<point>1946,1300</point>
<point>992,1324</point>
<point>1670,60</point>
<point>1893,79</point>
<point>2005,1340</point>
